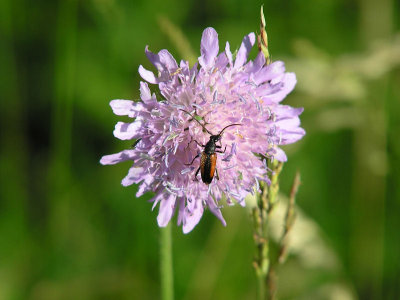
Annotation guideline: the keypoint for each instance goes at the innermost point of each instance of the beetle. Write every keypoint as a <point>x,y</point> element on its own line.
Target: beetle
<point>208,160</point>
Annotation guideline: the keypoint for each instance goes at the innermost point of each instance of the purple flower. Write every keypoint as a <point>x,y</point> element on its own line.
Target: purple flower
<point>222,91</point>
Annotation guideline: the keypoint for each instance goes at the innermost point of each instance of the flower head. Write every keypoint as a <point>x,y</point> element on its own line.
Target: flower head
<point>197,102</point>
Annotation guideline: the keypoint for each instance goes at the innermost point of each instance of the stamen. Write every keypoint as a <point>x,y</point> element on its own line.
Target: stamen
<point>241,98</point>
<point>229,167</point>
<point>170,191</point>
<point>176,148</point>
<point>146,156</point>
<point>193,76</point>
<point>257,184</point>
<point>187,170</point>
<point>197,106</point>
<point>179,106</point>
<point>259,108</point>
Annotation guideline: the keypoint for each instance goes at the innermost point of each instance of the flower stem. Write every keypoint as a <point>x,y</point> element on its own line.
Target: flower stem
<point>266,200</point>
<point>166,272</point>
<point>261,286</point>
<point>261,263</point>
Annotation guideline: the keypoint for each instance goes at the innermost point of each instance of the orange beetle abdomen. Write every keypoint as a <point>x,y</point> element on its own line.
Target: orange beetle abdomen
<point>208,164</point>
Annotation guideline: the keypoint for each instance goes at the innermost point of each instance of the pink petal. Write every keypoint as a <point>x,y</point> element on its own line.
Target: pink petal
<point>269,72</point>
<point>145,93</point>
<point>126,107</point>
<point>244,50</point>
<point>118,157</point>
<point>289,81</point>
<point>192,218</point>
<point>153,58</point>
<point>288,123</point>
<point>167,207</point>
<point>147,75</point>
<point>181,210</point>
<point>221,61</point>
<point>286,111</point>
<point>289,137</point>
<point>228,53</point>
<point>144,187</point>
<point>128,131</point>
<point>135,175</point>
<point>215,210</point>
<point>208,48</point>
<point>167,60</point>
<point>121,107</point>
<point>163,60</point>
<point>280,155</point>
<point>256,65</point>
<point>157,198</point>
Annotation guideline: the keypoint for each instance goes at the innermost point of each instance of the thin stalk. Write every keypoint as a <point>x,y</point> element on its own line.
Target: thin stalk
<point>166,272</point>
<point>289,219</point>
<point>261,261</point>
<point>266,200</point>
<point>260,287</point>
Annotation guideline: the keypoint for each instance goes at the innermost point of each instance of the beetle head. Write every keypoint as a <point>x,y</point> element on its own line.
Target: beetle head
<point>215,138</point>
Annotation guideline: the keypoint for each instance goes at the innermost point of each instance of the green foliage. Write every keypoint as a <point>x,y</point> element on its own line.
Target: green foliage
<point>70,231</point>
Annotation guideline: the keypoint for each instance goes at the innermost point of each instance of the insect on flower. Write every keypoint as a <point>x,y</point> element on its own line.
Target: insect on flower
<point>232,89</point>
<point>208,160</point>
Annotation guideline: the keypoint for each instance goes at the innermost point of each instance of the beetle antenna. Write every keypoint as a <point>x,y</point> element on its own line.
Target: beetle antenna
<point>220,133</point>
<point>204,127</point>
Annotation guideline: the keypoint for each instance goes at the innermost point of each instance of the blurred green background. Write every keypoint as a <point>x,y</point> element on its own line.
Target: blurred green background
<point>69,230</point>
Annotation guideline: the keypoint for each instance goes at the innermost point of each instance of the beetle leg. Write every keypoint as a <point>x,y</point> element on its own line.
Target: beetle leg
<point>216,173</point>
<point>191,140</point>
<point>195,176</point>
<point>191,119</point>
<point>199,144</point>
<point>220,151</point>
<point>193,160</point>
<point>204,118</point>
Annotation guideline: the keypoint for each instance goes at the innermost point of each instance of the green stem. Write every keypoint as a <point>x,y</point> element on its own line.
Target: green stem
<point>261,286</point>
<point>266,200</point>
<point>261,262</point>
<point>167,279</point>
